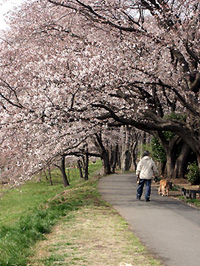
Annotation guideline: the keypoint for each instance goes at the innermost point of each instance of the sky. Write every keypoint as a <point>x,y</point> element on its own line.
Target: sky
<point>5,6</point>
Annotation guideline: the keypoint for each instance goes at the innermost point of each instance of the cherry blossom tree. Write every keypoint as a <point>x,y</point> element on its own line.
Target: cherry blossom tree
<point>159,50</point>
<point>69,67</point>
<point>31,99</point>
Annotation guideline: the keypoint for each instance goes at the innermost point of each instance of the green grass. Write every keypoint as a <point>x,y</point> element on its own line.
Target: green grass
<point>95,232</point>
<point>17,202</point>
<point>40,206</point>
<point>195,202</point>
<point>53,258</point>
<point>175,187</point>
<point>22,200</point>
<point>27,213</point>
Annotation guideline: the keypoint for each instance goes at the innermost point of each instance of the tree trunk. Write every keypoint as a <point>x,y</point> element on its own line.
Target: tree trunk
<point>68,174</point>
<point>46,177</point>
<point>106,163</point>
<point>180,166</point>
<point>126,161</point>
<point>86,165</point>
<point>40,177</point>
<point>80,168</point>
<point>161,168</point>
<point>64,176</point>
<point>126,148</point>
<point>198,160</point>
<point>104,153</point>
<point>170,164</point>
<point>50,177</point>
<point>134,155</point>
<point>113,157</point>
<point>169,147</point>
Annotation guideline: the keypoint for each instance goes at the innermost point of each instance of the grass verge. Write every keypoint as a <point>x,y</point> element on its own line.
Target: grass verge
<point>28,213</point>
<point>91,234</point>
<point>70,227</point>
<point>192,202</point>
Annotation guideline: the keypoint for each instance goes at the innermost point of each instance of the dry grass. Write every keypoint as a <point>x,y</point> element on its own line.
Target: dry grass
<point>94,235</point>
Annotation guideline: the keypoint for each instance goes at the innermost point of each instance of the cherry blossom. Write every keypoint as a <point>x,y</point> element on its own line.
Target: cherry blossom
<point>71,68</point>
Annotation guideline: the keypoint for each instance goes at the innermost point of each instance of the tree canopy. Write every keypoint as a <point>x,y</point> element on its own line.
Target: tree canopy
<point>69,69</point>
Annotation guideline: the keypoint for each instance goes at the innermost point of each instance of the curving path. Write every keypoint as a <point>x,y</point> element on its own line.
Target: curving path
<point>168,228</point>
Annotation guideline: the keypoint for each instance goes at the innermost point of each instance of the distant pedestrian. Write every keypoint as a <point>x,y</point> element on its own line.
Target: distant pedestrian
<point>145,171</point>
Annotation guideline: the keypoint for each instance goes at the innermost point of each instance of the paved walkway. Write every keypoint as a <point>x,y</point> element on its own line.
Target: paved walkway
<point>169,228</point>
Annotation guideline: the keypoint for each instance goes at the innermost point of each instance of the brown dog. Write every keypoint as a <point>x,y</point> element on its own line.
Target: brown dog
<point>164,187</point>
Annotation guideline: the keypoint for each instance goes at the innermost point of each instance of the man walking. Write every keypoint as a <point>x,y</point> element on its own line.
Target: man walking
<point>145,171</point>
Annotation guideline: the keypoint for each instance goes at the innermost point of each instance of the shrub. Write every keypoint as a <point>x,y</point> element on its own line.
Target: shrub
<point>193,174</point>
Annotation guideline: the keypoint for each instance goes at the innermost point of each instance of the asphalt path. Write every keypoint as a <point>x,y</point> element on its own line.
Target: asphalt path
<point>169,228</point>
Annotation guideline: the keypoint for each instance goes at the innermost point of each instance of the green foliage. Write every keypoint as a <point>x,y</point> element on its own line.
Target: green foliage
<point>36,214</point>
<point>195,202</point>
<point>193,175</point>
<point>158,151</point>
<point>144,147</point>
<point>175,187</point>
<point>176,116</point>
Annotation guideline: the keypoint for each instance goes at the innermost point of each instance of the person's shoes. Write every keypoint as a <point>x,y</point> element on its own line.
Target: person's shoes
<point>147,200</point>
<point>138,198</point>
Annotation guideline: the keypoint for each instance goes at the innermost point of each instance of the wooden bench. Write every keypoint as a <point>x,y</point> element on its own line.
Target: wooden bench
<point>190,193</point>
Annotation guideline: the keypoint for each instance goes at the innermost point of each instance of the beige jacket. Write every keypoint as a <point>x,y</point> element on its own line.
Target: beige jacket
<point>146,168</point>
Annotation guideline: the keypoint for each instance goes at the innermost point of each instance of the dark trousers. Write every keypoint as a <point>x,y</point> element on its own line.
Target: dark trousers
<point>147,182</point>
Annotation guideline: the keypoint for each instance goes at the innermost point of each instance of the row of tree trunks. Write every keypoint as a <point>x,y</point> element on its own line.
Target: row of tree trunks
<point>175,166</point>
<point>50,176</point>
<point>125,156</point>
<point>121,154</point>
